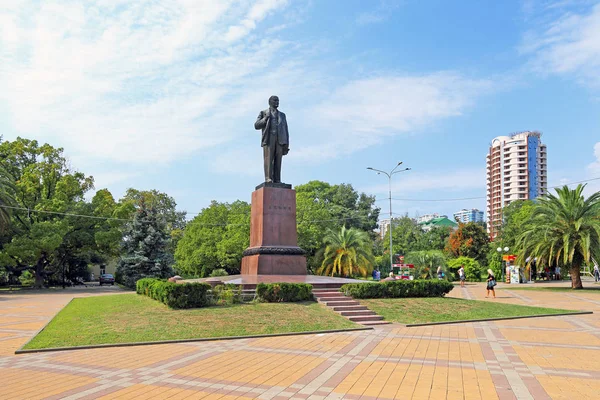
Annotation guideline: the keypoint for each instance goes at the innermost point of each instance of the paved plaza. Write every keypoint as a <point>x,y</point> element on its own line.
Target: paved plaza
<point>536,358</point>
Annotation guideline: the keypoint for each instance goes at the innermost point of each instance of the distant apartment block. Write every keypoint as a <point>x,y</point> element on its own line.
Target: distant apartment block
<point>516,170</point>
<point>429,217</point>
<point>384,225</point>
<point>472,215</point>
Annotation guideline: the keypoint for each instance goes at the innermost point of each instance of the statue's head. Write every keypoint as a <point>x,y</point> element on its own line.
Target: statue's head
<point>273,101</point>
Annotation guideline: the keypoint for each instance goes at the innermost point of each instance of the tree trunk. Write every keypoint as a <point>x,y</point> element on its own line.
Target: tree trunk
<point>575,277</point>
<point>39,272</point>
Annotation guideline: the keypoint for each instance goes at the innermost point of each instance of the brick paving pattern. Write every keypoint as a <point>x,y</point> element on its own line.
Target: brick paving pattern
<point>539,358</point>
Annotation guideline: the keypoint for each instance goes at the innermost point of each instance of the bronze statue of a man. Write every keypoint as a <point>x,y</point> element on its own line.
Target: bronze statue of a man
<point>275,139</point>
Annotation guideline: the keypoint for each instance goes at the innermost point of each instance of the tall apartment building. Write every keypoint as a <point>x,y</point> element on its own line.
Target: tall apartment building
<point>472,215</point>
<point>516,170</point>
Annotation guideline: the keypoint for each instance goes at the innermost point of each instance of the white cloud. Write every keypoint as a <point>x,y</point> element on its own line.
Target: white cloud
<point>568,46</point>
<point>256,14</point>
<point>407,184</point>
<point>382,12</point>
<point>365,112</point>
<point>145,83</point>
<point>131,82</point>
<point>594,167</point>
<point>594,172</point>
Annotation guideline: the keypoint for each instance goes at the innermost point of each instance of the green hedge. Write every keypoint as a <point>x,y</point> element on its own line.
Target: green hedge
<point>175,295</point>
<point>283,292</point>
<point>396,289</point>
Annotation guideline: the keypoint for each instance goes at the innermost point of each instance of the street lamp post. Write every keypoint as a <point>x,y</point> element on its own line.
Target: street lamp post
<point>389,175</point>
<point>500,250</point>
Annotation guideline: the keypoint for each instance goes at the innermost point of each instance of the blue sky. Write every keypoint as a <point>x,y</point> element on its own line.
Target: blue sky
<point>163,94</point>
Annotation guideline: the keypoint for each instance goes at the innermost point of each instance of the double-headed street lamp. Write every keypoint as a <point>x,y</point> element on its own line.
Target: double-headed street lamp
<point>389,175</point>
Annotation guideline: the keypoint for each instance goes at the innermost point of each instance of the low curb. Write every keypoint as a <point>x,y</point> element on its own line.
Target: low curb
<point>101,346</point>
<point>497,319</point>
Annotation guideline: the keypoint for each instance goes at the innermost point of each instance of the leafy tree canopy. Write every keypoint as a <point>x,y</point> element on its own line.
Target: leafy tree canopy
<point>406,235</point>
<point>215,238</point>
<point>469,240</point>
<point>320,206</point>
<point>515,216</point>
<point>45,186</point>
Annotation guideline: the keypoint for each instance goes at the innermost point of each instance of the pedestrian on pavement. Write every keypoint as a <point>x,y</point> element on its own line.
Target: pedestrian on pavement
<point>558,277</point>
<point>491,282</point>
<point>461,276</point>
<point>596,273</point>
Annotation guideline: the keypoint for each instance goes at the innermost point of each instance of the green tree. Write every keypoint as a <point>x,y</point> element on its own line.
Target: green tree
<point>347,253</point>
<point>47,188</point>
<point>426,262</point>
<point>434,239</point>
<point>469,240</point>
<point>320,205</point>
<point>406,235</point>
<point>145,247</point>
<point>494,259</point>
<point>515,217</point>
<point>563,230</point>
<point>7,199</point>
<point>472,268</point>
<point>165,206</point>
<point>215,238</point>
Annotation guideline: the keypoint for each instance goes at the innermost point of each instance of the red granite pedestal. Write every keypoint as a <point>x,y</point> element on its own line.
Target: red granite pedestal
<point>273,236</point>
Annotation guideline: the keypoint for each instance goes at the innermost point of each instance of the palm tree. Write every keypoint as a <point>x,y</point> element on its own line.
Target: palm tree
<point>426,262</point>
<point>563,230</point>
<point>348,252</point>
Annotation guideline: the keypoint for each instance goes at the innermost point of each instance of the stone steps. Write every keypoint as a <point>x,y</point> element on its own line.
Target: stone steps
<point>348,307</point>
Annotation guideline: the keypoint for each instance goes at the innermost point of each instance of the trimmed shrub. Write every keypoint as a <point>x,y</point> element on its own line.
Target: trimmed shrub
<point>284,292</point>
<point>472,268</point>
<point>397,289</point>
<point>227,294</point>
<point>175,295</point>
<point>218,272</point>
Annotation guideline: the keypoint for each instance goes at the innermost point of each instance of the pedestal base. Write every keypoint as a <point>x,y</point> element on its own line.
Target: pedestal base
<point>273,246</point>
<point>274,264</point>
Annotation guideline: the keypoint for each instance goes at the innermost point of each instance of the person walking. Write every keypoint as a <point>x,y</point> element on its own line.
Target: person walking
<point>491,282</point>
<point>440,274</point>
<point>461,276</point>
<point>596,272</point>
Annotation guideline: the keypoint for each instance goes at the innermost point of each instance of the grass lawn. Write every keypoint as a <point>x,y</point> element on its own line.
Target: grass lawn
<point>127,318</point>
<point>446,309</point>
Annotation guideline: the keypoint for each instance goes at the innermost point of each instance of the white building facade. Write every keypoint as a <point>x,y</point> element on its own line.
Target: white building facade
<point>465,216</point>
<point>428,217</point>
<point>516,170</point>
<point>384,225</point>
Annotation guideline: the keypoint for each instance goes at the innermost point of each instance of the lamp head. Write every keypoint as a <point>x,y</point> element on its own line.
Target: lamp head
<point>506,249</point>
<point>499,249</point>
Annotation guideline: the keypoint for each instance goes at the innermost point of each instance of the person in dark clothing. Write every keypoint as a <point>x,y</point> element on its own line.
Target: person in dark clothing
<point>491,282</point>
